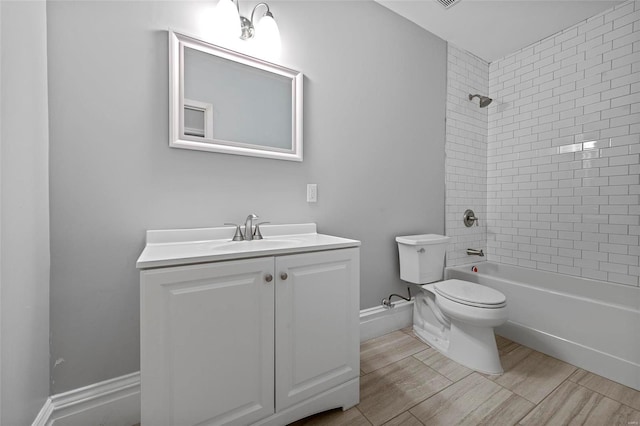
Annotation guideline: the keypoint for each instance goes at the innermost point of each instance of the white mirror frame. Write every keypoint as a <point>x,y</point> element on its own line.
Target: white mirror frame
<point>177,138</point>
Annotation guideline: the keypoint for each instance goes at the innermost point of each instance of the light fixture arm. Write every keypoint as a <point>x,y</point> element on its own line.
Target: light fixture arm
<point>248,26</point>
<point>267,13</point>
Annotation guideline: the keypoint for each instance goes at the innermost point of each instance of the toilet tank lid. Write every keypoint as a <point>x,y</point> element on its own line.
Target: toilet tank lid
<point>414,240</point>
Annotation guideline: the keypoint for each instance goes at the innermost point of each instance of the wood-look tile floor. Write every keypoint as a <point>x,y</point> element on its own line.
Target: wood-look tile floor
<point>405,382</point>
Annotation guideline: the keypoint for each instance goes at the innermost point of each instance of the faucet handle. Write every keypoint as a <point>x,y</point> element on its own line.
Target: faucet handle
<point>238,235</point>
<point>257,235</point>
<point>469,217</point>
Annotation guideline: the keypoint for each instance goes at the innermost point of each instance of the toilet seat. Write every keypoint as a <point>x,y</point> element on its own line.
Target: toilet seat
<point>470,294</point>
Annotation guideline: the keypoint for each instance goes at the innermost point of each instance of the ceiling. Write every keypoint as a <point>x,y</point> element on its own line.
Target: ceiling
<point>492,29</point>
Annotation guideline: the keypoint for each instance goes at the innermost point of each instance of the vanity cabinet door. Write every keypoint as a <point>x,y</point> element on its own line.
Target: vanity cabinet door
<point>207,351</point>
<point>317,323</point>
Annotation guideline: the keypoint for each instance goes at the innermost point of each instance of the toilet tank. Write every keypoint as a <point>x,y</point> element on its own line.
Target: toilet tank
<point>422,257</point>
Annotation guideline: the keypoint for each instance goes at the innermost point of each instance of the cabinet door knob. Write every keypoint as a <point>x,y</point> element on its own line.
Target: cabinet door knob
<point>268,278</point>
<point>284,276</point>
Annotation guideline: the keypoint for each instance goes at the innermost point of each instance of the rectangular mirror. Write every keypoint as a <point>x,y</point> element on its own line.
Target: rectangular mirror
<point>228,102</point>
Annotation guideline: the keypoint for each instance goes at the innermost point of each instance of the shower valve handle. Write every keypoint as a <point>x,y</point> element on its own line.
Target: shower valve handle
<point>469,218</point>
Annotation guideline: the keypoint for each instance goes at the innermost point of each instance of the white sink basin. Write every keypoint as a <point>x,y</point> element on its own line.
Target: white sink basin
<point>187,246</point>
<point>253,245</point>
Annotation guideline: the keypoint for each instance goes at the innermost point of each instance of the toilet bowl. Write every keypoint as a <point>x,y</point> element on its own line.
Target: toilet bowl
<point>455,317</point>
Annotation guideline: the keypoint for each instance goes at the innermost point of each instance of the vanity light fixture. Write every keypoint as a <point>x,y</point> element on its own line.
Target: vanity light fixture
<point>264,31</point>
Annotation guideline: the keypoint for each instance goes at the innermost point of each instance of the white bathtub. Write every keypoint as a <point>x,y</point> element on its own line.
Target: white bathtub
<point>592,324</point>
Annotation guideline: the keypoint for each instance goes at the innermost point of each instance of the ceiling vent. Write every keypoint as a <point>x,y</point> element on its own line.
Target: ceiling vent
<point>448,3</point>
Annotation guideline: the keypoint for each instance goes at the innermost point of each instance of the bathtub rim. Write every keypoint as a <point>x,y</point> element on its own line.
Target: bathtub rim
<point>616,295</point>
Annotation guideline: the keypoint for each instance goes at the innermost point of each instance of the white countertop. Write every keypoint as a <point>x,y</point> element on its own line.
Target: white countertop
<point>188,246</point>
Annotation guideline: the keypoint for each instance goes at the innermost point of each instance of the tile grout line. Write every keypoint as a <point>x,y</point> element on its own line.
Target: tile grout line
<point>363,415</point>
<point>549,394</point>
<point>446,387</point>
<point>387,365</point>
<point>607,396</point>
<point>421,401</point>
<point>407,412</point>
<point>527,413</point>
<point>409,355</point>
<point>603,395</point>
<point>412,356</point>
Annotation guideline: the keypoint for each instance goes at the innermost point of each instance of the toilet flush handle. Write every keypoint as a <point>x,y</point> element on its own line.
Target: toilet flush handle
<point>421,250</point>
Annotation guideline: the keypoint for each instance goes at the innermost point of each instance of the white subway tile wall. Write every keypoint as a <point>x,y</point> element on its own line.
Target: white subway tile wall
<point>563,166</point>
<point>466,154</point>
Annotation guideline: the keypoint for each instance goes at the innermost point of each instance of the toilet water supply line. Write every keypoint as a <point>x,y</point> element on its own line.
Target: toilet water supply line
<point>387,302</point>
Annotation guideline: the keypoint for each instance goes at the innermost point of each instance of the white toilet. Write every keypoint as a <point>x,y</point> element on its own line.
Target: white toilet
<point>454,317</point>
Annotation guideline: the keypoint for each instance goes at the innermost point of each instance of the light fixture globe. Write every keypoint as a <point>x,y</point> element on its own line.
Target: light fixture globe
<point>268,34</point>
<point>227,20</point>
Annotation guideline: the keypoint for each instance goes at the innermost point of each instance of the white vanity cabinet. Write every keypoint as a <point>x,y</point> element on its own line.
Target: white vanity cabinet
<point>207,343</point>
<point>258,340</point>
<point>317,323</point>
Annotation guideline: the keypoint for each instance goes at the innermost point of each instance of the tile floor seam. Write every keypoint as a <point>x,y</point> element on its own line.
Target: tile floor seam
<point>603,395</point>
<point>453,382</point>
<point>525,415</point>
<point>419,421</point>
<point>502,387</point>
<point>440,374</point>
<point>431,396</point>
<point>584,403</point>
<point>384,366</point>
<point>517,394</point>
<point>400,359</point>
<point>552,390</point>
<point>513,393</point>
<point>406,411</point>
<point>547,397</point>
<point>419,402</point>
<point>362,414</point>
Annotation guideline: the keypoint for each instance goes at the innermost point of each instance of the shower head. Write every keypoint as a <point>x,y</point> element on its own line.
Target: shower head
<point>484,100</point>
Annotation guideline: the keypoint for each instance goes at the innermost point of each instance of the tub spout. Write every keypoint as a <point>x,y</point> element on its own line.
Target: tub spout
<point>475,252</point>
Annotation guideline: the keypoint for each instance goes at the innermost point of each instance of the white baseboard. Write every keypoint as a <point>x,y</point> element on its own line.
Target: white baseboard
<point>116,402</point>
<point>112,402</point>
<point>45,413</point>
<point>377,321</point>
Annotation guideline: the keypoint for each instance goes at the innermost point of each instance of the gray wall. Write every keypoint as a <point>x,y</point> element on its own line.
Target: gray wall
<point>375,89</point>
<point>24,212</point>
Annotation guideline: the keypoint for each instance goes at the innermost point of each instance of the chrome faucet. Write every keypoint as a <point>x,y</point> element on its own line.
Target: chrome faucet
<point>248,227</point>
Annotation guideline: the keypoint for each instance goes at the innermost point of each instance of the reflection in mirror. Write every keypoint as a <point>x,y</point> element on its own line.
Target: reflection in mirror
<point>250,105</point>
<point>198,119</point>
<point>224,101</point>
